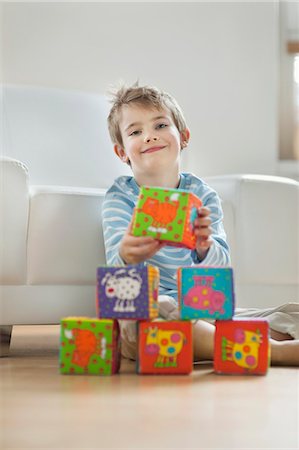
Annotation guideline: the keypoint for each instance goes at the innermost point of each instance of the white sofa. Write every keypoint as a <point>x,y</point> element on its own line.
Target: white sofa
<point>51,243</point>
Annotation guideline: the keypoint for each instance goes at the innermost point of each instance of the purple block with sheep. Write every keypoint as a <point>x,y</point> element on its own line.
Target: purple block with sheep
<point>127,292</point>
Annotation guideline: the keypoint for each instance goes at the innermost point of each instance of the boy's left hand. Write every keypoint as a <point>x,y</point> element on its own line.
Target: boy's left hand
<point>202,231</point>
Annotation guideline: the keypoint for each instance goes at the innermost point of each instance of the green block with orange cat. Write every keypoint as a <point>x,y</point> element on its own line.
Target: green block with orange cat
<point>89,346</point>
<point>166,215</point>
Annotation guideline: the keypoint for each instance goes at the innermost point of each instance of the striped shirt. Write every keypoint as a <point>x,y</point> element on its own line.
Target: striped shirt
<point>119,203</point>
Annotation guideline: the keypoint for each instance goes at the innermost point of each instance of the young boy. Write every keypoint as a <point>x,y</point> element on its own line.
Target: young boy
<point>149,132</point>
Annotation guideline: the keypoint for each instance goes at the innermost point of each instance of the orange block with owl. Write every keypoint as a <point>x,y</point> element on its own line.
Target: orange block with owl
<point>242,347</point>
<point>167,215</point>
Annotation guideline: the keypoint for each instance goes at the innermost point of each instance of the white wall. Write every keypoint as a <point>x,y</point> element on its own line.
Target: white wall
<point>220,60</point>
<point>61,135</point>
<point>289,31</point>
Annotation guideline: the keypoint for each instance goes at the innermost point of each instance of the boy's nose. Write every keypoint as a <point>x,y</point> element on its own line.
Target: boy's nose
<point>148,139</point>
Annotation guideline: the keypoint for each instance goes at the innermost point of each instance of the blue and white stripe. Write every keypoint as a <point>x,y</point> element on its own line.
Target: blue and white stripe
<point>117,212</point>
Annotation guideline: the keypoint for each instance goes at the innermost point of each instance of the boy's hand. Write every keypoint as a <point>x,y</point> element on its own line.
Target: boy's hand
<point>136,249</point>
<point>202,231</point>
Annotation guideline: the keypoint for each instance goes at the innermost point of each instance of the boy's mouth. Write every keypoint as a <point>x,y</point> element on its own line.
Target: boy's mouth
<point>153,149</point>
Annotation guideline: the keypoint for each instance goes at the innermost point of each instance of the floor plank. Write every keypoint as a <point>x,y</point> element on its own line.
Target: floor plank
<point>43,409</point>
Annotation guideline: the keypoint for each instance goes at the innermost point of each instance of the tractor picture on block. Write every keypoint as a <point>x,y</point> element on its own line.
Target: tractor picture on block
<point>167,215</point>
<point>127,292</point>
<point>89,346</point>
<point>242,347</point>
<point>206,292</point>
<point>165,347</point>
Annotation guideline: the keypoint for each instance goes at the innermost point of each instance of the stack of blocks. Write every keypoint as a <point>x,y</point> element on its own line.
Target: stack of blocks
<point>92,346</point>
<point>241,346</point>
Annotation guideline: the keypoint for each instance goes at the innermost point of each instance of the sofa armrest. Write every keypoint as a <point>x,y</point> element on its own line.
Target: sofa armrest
<point>264,235</point>
<point>14,208</point>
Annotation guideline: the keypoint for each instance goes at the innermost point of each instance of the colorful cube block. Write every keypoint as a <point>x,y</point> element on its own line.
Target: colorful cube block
<point>165,347</point>
<point>89,346</point>
<point>166,215</point>
<point>242,347</point>
<point>128,292</point>
<point>206,292</point>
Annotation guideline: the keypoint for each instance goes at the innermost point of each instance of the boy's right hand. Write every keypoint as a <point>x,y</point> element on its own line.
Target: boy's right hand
<point>137,249</point>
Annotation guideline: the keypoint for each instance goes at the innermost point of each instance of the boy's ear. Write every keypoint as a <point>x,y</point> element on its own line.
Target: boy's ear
<point>185,136</point>
<point>120,152</point>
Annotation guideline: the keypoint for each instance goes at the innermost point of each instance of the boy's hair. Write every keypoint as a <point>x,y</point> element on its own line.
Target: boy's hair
<point>145,96</point>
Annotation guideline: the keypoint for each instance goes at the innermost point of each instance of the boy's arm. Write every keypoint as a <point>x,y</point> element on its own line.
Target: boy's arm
<point>137,249</point>
<point>117,211</point>
<point>120,245</point>
<point>212,248</point>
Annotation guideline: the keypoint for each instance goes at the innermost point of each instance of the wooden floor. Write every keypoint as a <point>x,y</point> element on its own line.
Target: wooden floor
<point>42,409</point>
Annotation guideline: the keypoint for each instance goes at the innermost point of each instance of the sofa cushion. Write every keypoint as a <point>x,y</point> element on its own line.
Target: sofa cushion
<point>65,243</point>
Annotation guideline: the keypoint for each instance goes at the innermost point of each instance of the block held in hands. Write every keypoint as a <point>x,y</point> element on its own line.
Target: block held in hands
<point>167,215</point>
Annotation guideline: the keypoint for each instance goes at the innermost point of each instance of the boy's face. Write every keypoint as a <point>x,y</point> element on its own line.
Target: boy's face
<point>151,140</point>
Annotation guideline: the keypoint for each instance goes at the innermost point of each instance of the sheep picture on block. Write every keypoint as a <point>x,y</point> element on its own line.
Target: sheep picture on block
<point>89,346</point>
<point>242,347</point>
<point>166,215</point>
<point>165,347</point>
<point>206,292</point>
<point>127,292</point>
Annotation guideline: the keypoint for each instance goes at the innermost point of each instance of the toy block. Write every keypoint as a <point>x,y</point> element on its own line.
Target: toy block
<point>166,215</point>
<point>89,346</point>
<point>205,292</point>
<point>127,292</point>
<point>242,347</point>
<point>165,347</point>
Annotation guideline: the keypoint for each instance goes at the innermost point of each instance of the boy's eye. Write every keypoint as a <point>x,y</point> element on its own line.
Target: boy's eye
<point>135,133</point>
<point>161,125</point>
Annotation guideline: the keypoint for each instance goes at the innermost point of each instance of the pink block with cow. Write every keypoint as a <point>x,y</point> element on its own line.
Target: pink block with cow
<point>165,347</point>
<point>242,347</point>
<point>206,292</point>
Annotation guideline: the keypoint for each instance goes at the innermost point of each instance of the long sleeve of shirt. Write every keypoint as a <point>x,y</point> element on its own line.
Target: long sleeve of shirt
<point>117,212</point>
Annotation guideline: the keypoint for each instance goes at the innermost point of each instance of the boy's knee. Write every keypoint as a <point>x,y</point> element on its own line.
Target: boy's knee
<point>128,331</point>
<point>168,310</point>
